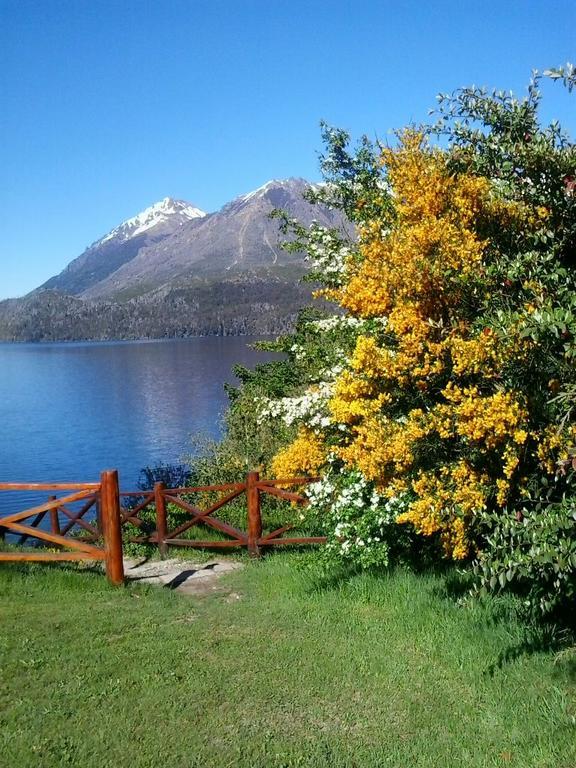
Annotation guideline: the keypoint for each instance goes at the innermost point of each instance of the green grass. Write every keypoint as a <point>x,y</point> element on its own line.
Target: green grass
<point>372,671</point>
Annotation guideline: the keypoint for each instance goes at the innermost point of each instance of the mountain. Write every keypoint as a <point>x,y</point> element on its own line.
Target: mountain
<point>240,238</point>
<point>153,225</point>
<point>174,271</point>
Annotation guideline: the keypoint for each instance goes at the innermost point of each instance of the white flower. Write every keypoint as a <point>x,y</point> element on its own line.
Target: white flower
<point>309,408</point>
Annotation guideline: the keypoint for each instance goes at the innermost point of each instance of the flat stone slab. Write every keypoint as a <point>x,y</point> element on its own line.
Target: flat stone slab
<point>184,576</point>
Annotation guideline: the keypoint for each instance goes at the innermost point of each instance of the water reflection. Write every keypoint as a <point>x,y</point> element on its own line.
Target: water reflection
<point>70,410</point>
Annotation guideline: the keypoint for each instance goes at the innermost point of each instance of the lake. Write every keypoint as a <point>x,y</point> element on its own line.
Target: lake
<point>70,410</point>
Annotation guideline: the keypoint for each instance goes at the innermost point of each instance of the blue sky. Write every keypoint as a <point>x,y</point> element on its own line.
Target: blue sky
<point>107,106</point>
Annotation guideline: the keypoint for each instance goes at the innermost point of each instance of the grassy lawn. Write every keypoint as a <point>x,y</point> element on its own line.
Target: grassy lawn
<point>388,671</point>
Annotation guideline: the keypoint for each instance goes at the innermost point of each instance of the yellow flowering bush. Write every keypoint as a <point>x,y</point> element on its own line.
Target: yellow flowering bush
<point>453,398</point>
<point>413,265</point>
<point>304,456</point>
<point>416,270</point>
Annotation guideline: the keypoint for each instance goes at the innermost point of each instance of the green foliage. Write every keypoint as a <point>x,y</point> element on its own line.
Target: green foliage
<point>353,179</point>
<point>532,551</point>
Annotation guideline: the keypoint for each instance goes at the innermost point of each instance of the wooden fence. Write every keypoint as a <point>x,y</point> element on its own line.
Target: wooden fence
<point>104,495</point>
<point>97,526</point>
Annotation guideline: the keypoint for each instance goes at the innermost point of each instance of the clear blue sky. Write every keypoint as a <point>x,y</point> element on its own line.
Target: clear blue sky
<point>107,106</point>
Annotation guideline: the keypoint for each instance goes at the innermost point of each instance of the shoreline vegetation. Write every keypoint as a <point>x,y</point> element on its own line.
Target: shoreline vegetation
<point>145,339</point>
<point>240,308</point>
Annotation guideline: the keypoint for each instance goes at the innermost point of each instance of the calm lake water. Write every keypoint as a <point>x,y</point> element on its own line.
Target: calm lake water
<point>68,411</point>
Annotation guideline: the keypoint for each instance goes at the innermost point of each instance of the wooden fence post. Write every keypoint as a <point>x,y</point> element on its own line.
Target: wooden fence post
<point>111,525</point>
<point>54,519</point>
<point>161,524</point>
<point>254,516</point>
<point>98,505</point>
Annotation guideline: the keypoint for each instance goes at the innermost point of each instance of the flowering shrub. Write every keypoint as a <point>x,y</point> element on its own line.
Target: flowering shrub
<point>361,524</point>
<point>438,403</point>
<point>437,399</point>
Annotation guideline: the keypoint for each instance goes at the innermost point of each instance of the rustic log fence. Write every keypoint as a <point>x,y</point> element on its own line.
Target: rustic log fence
<point>252,538</point>
<point>105,494</point>
<point>109,511</point>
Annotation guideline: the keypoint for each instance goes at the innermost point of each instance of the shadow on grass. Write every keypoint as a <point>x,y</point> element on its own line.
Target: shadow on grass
<point>15,572</point>
<point>554,635</point>
<point>546,638</point>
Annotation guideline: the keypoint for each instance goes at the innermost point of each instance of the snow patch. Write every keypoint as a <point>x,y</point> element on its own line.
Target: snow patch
<point>151,217</point>
<point>261,191</point>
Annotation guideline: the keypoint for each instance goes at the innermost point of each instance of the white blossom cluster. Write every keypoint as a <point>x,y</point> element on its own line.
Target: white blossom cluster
<point>298,351</point>
<point>332,373</point>
<point>358,513</point>
<point>336,323</point>
<point>327,253</point>
<point>344,322</point>
<point>311,408</point>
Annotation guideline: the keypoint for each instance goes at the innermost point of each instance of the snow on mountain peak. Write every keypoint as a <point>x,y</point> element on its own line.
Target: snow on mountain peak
<point>152,216</point>
<point>261,191</point>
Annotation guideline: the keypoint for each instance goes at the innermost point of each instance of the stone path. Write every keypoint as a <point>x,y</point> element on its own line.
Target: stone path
<point>184,576</point>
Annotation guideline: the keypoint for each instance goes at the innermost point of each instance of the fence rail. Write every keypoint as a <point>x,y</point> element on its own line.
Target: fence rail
<point>109,512</point>
<point>105,494</point>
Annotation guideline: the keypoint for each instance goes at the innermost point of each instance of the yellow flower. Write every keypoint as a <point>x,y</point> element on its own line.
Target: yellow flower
<point>446,501</point>
<point>433,245</point>
<point>305,456</point>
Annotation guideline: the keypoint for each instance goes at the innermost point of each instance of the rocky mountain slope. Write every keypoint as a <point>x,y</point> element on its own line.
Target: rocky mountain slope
<point>122,244</point>
<point>173,270</point>
<point>238,239</point>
